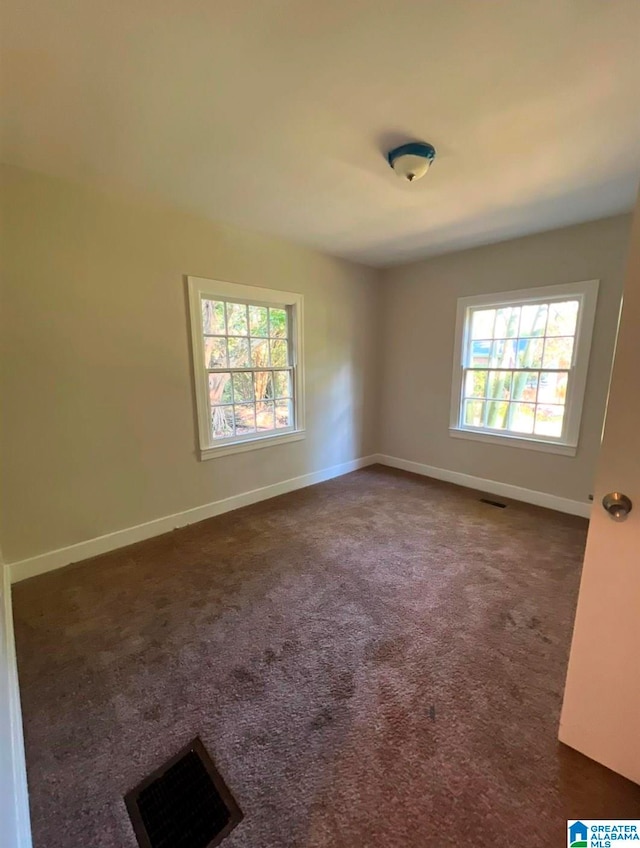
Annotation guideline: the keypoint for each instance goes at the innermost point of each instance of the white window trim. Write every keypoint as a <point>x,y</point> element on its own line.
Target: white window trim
<point>587,293</point>
<point>200,287</point>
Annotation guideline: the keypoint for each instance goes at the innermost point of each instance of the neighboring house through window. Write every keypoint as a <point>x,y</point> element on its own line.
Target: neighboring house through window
<point>247,357</point>
<point>520,366</point>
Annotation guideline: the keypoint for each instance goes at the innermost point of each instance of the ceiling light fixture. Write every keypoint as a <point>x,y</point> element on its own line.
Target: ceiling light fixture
<point>411,161</point>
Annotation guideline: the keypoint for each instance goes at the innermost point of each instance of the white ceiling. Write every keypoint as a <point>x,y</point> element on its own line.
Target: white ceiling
<point>274,114</point>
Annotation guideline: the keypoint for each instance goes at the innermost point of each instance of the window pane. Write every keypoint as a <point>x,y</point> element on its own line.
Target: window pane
<point>507,322</point>
<point>221,422</point>
<point>553,388</point>
<point>529,353</point>
<point>243,386</point>
<point>278,323</point>
<point>549,420</point>
<point>562,318</point>
<point>557,353</point>
<point>215,353</point>
<point>239,353</point>
<point>259,353</point>
<point>497,414</point>
<point>279,352</point>
<point>499,384</point>
<point>220,389</point>
<point>282,384</point>
<point>503,354</point>
<point>524,386</point>
<point>213,317</point>
<point>475,384</point>
<point>283,414</point>
<point>258,320</point>
<point>482,323</point>
<point>264,416</point>
<point>533,320</point>
<point>473,413</point>
<point>237,324</point>
<point>521,417</point>
<point>264,385</point>
<point>245,418</point>
<point>518,359</point>
<point>479,354</point>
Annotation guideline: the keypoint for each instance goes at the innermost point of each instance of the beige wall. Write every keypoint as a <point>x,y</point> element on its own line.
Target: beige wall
<point>418,317</point>
<point>98,410</point>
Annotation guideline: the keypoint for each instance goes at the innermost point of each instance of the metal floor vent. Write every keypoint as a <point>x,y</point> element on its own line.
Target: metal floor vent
<point>493,503</point>
<point>184,804</point>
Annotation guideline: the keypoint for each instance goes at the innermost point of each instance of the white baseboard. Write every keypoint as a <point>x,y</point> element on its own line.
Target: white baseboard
<point>23,569</point>
<point>14,803</point>
<point>493,487</point>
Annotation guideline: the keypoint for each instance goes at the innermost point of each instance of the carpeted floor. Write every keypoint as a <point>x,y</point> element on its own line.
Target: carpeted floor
<point>377,660</point>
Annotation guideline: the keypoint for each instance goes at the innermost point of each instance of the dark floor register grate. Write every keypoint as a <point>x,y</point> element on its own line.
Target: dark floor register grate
<point>184,804</point>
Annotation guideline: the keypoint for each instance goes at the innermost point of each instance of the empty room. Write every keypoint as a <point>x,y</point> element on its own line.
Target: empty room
<point>320,478</point>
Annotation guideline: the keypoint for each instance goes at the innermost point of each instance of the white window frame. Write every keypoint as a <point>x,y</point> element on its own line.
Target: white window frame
<point>200,288</point>
<point>586,293</point>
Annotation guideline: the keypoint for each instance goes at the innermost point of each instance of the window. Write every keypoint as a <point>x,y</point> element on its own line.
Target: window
<point>247,350</point>
<point>521,366</point>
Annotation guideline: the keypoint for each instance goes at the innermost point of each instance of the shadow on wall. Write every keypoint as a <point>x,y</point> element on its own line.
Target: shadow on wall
<point>337,418</point>
<point>335,369</point>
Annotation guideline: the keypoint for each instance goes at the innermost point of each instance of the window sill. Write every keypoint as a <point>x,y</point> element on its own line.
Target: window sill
<point>251,444</point>
<point>513,441</point>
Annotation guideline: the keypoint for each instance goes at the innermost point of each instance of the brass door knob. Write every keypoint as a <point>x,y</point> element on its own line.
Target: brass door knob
<point>617,505</point>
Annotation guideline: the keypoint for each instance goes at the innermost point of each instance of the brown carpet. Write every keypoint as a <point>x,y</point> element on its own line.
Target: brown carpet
<point>378,660</point>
